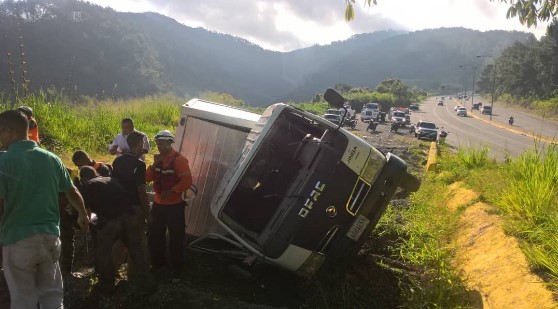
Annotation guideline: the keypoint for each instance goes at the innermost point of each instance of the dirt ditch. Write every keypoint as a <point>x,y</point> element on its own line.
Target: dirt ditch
<point>491,261</point>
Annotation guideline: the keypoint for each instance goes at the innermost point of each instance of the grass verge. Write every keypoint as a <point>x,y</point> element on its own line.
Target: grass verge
<point>525,191</point>
<point>64,128</point>
<point>424,234</point>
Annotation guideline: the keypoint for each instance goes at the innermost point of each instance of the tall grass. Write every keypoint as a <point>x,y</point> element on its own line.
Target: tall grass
<point>530,204</point>
<point>525,191</point>
<point>92,126</point>
<point>473,157</point>
<point>317,108</point>
<point>426,233</point>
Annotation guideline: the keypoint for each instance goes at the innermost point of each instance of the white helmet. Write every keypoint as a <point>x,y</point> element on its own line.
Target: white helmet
<point>164,135</point>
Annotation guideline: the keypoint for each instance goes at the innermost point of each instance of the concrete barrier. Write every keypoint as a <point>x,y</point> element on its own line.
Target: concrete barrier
<point>432,157</point>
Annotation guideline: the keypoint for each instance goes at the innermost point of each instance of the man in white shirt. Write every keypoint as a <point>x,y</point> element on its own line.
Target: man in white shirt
<point>119,146</point>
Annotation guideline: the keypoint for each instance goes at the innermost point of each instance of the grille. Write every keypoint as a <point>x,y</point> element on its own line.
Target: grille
<point>359,193</point>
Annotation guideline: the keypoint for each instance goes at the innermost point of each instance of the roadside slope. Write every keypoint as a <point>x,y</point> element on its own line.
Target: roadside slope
<point>492,262</point>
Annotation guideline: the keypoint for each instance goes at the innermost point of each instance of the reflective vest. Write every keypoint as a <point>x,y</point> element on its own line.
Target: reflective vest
<point>33,133</point>
<point>97,165</point>
<point>165,177</point>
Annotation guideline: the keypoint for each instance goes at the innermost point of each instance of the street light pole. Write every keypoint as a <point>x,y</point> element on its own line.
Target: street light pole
<point>473,93</point>
<point>463,66</point>
<point>493,83</point>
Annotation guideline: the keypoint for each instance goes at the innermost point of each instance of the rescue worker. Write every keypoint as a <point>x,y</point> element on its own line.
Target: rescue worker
<point>129,170</point>
<point>116,219</point>
<point>171,177</point>
<point>33,132</point>
<point>119,145</point>
<point>81,158</point>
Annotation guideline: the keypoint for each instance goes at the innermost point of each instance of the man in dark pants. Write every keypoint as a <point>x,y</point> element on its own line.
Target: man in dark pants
<point>68,218</point>
<point>129,170</point>
<point>171,177</point>
<point>106,198</point>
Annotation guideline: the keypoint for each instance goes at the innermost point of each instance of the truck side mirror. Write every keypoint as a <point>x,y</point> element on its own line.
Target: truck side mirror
<point>333,98</point>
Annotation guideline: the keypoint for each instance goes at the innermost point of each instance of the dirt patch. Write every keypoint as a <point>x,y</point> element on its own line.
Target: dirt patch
<point>491,261</point>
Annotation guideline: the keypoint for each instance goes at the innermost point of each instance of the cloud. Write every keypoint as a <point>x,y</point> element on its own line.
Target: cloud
<point>292,24</point>
<point>370,19</point>
<point>251,20</point>
<point>281,24</point>
<point>489,10</point>
<point>324,12</point>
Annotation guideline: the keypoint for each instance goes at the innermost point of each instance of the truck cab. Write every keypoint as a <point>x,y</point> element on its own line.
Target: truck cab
<point>305,191</point>
<point>370,112</point>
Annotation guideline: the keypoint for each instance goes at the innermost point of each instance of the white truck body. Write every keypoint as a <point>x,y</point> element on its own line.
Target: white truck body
<point>211,136</point>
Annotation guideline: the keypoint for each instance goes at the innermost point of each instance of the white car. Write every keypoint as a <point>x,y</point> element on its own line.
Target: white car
<point>457,107</point>
<point>336,119</point>
<point>427,130</point>
<point>462,111</point>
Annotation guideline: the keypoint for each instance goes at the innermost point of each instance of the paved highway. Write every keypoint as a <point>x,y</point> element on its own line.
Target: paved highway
<point>477,131</point>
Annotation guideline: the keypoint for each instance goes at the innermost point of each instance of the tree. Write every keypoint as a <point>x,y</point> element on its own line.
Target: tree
<point>546,62</point>
<point>342,87</point>
<point>529,12</point>
<point>401,91</point>
<point>350,11</point>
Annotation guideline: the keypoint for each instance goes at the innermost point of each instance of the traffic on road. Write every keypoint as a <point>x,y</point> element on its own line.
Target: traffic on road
<point>474,128</point>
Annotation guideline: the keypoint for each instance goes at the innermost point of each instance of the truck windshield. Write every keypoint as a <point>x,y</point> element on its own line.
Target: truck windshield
<point>333,111</point>
<point>275,173</point>
<point>427,125</point>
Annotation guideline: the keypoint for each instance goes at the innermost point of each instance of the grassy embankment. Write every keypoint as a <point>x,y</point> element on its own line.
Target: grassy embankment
<point>545,108</point>
<point>65,128</point>
<point>524,189</point>
<point>525,193</point>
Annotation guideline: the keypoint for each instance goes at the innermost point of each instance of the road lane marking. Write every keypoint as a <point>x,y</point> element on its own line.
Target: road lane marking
<point>516,130</point>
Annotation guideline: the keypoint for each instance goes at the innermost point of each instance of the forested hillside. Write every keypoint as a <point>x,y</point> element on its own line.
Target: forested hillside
<point>83,49</point>
<point>526,73</point>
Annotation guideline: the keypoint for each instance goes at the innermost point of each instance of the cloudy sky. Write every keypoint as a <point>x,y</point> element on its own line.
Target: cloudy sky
<point>286,25</point>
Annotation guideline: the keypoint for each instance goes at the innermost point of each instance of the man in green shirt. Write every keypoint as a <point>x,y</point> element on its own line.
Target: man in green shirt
<point>30,180</point>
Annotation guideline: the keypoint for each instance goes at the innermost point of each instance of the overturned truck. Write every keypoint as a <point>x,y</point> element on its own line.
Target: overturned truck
<point>287,188</point>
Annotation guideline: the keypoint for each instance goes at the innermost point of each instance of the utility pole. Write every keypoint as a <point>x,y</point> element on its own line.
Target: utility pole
<point>473,93</point>
<point>463,66</point>
<point>493,83</point>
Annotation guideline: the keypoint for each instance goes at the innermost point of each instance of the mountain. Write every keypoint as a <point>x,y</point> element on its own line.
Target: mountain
<point>84,49</point>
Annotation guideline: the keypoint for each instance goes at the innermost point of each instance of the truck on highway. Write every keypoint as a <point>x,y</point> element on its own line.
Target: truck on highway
<point>370,112</point>
<point>300,193</point>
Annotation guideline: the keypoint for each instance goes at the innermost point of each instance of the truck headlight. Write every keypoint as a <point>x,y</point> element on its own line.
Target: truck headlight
<point>373,167</point>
